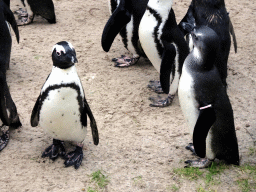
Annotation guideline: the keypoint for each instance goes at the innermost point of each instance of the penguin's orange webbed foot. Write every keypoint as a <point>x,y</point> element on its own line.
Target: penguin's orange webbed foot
<point>200,163</point>
<point>125,61</point>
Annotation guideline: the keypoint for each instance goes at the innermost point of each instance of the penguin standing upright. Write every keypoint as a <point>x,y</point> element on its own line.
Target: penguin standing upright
<point>44,8</point>
<point>125,20</point>
<point>205,103</point>
<point>164,45</point>
<point>8,111</point>
<point>212,13</point>
<point>61,108</point>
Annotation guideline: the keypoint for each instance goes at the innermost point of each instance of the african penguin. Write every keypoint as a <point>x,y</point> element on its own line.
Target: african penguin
<point>164,45</point>
<point>44,8</point>
<point>7,2</point>
<point>213,14</point>
<point>8,111</point>
<point>125,20</point>
<point>205,103</point>
<point>61,108</point>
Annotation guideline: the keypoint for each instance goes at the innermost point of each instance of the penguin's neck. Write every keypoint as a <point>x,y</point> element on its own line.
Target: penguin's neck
<point>161,5</point>
<point>203,60</point>
<point>56,69</point>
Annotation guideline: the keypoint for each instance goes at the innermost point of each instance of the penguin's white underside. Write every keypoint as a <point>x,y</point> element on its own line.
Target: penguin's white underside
<point>190,106</point>
<point>60,115</point>
<point>146,31</point>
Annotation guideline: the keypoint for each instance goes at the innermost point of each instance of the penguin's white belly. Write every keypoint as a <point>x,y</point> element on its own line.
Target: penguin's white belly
<point>60,115</point>
<point>190,107</point>
<point>146,36</point>
<point>188,103</point>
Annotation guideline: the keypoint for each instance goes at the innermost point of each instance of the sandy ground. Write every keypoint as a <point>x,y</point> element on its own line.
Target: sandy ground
<point>136,141</point>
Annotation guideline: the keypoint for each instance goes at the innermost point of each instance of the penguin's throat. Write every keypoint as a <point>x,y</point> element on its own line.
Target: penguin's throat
<point>63,65</point>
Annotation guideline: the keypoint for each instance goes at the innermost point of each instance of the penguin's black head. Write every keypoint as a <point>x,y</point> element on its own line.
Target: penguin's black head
<point>206,42</point>
<point>63,55</point>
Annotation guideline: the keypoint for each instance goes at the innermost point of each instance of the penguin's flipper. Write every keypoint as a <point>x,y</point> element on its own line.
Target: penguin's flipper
<point>11,19</point>
<point>232,32</point>
<point>116,22</point>
<point>87,111</point>
<point>3,108</point>
<point>204,122</point>
<point>34,120</point>
<point>167,66</point>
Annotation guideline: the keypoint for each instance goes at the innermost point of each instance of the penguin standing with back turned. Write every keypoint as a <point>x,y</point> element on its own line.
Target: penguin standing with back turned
<point>8,111</point>
<point>125,20</point>
<point>44,8</point>
<point>165,46</point>
<point>212,13</point>
<point>205,103</point>
<point>61,108</point>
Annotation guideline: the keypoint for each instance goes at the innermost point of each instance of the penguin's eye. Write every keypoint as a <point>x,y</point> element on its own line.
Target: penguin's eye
<point>195,37</point>
<point>58,53</point>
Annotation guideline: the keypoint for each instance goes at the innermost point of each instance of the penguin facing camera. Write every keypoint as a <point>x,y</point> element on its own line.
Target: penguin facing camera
<point>8,111</point>
<point>44,8</point>
<point>205,103</point>
<point>125,20</point>
<point>61,108</point>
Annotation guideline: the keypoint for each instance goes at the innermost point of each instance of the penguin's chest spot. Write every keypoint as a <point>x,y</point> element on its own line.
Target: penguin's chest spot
<point>60,115</point>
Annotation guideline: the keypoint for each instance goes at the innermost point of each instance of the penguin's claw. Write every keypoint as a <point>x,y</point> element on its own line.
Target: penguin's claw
<point>190,147</point>
<point>155,86</point>
<point>200,163</point>
<point>4,139</point>
<point>74,158</point>
<point>160,102</point>
<point>55,150</point>
<point>24,19</point>
<point>125,61</point>
<point>21,12</point>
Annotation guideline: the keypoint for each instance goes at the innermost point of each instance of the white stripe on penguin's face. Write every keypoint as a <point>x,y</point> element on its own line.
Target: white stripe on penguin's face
<point>59,48</point>
<point>70,45</point>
